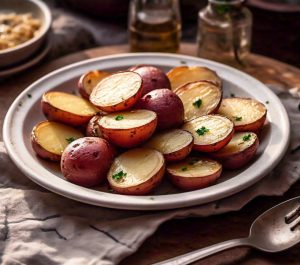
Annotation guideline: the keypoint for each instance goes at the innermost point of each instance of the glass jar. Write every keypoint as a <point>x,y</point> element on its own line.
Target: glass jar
<point>154,25</point>
<point>224,32</point>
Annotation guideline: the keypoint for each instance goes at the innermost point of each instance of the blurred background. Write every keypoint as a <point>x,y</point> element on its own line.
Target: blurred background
<point>86,24</point>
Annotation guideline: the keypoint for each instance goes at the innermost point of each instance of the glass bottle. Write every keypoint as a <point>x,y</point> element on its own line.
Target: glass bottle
<point>224,32</point>
<point>154,25</point>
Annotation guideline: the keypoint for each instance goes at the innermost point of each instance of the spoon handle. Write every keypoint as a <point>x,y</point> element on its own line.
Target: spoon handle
<point>204,252</point>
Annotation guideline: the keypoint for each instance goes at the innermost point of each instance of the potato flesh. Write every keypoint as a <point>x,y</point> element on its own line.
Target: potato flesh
<point>139,165</point>
<point>210,96</point>
<point>219,128</point>
<point>237,144</point>
<point>116,89</point>
<point>182,75</point>
<point>53,136</point>
<point>70,103</point>
<point>194,167</point>
<point>241,110</point>
<point>130,119</point>
<point>92,79</point>
<point>170,141</point>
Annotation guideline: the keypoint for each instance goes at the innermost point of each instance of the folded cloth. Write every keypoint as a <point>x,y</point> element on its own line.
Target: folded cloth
<point>40,227</point>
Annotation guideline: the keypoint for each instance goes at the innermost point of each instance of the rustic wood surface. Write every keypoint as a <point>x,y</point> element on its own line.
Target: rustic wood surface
<point>180,236</point>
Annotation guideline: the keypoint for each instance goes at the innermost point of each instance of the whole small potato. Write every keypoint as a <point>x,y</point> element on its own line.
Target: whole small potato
<point>86,161</point>
<point>167,105</point>
<point>153,78</point>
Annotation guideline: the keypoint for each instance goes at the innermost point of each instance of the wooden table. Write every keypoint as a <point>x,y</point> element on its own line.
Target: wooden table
<point>180,236</point>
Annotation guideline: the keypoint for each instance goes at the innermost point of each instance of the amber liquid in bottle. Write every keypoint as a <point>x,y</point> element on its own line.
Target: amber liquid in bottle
<point>155,31</point>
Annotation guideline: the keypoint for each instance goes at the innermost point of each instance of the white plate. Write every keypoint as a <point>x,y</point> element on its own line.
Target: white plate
<point>25,112</point>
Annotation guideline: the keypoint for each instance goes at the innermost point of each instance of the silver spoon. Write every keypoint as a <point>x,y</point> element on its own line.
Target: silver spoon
<point>275,230</point>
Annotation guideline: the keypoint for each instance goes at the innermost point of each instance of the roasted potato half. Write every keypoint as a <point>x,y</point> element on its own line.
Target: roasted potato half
<point>129,128</point>
<point>194,173</point>
<point>49,139</point>
<point>174,144</point>
<point>86,161</point>
<point>89,80</point>
<point>247,114</point>
<point>67,108</point>
<point>199,98</point>
<point>153,78</point>
<point>239,151</point>
<point>136,172</point>
<point>210,132</point>
<point>182,75</point>
<point>117,92</point>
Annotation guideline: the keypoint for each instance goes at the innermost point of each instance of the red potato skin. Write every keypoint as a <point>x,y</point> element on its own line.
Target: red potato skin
<point>143,188</point>
<point>40,151</point>
<point>214,147</point>
<point>252,127</point>
<point>128,138</point>
<point>167,105</point>
<point>180,154</point>
<point>86,161</point>
<point>124,105</point>
<point>153,78</point>
<point>187,184</point>
<point>237,160</point>
<point>54,114</point>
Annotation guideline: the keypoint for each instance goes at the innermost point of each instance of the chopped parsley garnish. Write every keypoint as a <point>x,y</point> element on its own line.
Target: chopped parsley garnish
<point>247,137</point>
<point>184,169</point>
<point>202,131</point>
<point>238,118</point>
<point>29,95</point>
<point>197,103</point>
<point>267,102</point>
<point>118,176</point>
<point>232,95</point>
<point>119,117</point>
<point>70,140</point>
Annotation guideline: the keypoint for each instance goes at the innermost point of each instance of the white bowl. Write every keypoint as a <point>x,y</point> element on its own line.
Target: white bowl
<point>20,53</point>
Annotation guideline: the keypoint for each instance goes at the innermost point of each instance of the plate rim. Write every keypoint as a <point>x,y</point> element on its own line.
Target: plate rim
<point>146,202</point>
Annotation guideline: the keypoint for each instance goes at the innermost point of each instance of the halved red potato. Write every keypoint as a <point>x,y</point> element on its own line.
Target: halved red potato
<point>210,132</point>
<point>199,98</point>
<point>49,139</point>
<point>117,92</point>
<point>247,114</point>
<point>86,161</point>
<point>92,128</point>
<point>89,80</point>
<point>239,151</point>
<point>174,144</point>
<point>136,172</point>
<point>129,128</point>
<point>194,173</point>
<point>182,75</point>
<point>67,108</point>
<point>153,77</point>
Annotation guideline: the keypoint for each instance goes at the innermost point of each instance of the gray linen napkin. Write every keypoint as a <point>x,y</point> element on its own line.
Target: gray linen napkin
<point>40,227</point>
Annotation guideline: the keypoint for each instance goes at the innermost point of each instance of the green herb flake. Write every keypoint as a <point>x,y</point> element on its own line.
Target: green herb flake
<point>197,103</point>
<point>232,95</point>
<point>246,137</point>
<point>222,9</point>
<point>184,169</point>
<point>183,62</point>
<point>202,131</point>
<point>70,140</point>
<point>29,95</point>
<point>238,118</point>
<point>111,190</point>
<point>267,102</point>
<point>119,176</point>
<point>119,117</point>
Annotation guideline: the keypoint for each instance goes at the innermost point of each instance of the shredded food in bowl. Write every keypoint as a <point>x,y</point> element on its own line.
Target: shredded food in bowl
<point>17,28</point>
